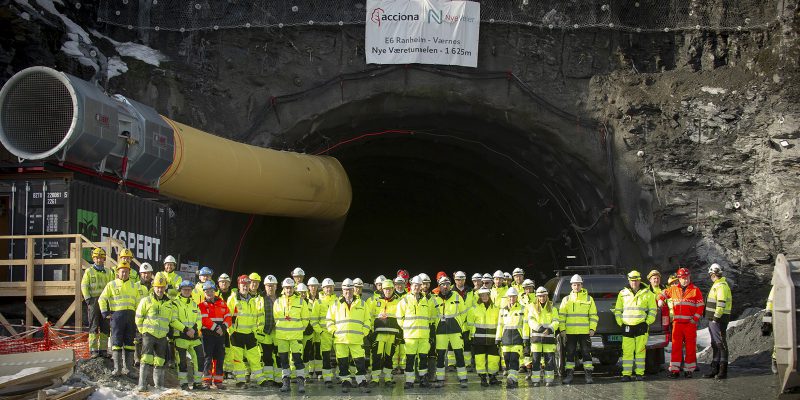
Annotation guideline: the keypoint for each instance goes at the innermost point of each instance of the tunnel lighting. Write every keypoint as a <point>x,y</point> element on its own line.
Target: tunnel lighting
<point>571,257</point>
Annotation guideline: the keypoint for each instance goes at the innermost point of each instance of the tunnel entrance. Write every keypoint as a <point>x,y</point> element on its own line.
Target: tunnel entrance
<point>450,192</point>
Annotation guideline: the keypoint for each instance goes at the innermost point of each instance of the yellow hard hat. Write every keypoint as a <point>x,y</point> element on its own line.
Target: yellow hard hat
<point>634,276</point>
<point>98,252</point>
<point>255,277</point>
<point>123,264</point>
<point>653,273</point>
<point>126,253</point>
<point>160,280</point>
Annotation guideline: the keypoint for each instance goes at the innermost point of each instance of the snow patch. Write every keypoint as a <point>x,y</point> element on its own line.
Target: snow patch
<point>135,50</point>
<point>77,35</point>
<point>105,393</point>
<point>116,67</point>
<point>22,373</point>
<point>713,90</point>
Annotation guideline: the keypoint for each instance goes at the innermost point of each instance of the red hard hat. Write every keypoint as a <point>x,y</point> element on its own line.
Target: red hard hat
<point>440,274</point>
<point>244,279</point>
<point>682,273</point>
<point>403,274</point>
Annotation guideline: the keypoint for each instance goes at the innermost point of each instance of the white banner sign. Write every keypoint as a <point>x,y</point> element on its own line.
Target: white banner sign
<point>422,31</point>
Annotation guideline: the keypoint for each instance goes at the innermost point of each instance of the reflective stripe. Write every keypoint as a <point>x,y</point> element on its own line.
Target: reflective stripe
<point>349,332</point>
<point>686,303</point>
<point>283,328</point>
<point>484,335</point>
<point>545,335</point>
<point>485,326</point>
<point>576,325</point>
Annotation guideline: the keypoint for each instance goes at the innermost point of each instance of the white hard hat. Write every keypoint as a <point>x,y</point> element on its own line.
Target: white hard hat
<point>512,291</point>
<point>459,275</point>
<point>298,272</point>
<point>288,282</point>
<point>145,267</point>
<point>506,275</point>
<point>313,281</point>
<point>379,280</point>
<point>424,277</point>
<point>327,282</point>
<point>715,269</point>
<point>224,277</point>
<point>484,290</point>
<point>576,279</point>
<point>399,279</point>
<point>444,279</point>
<point>476,276</point>
<point>358,282</point>
<point>416,280</point>
<point>497,274</point>
<point>347,283</point>
<point>518,271</point>
<point>270,279</point>
<point>527,283</point>
<point>486,277</point>
<point>170,259</point>
<point>541,290</point>
<point>301,287</point>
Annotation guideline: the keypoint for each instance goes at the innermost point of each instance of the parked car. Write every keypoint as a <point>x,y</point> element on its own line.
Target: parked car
<point>607,341</point>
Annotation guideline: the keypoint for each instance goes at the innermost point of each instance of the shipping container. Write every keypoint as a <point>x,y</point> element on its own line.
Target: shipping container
<point>58,204</point>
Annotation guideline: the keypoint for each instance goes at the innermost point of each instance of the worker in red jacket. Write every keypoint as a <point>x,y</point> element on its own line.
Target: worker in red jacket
<point>687,304</point>
<point>216,322</point>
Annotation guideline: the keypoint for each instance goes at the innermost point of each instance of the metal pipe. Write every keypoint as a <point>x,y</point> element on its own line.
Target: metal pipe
<point>85,127</point>
<point>13,213</point>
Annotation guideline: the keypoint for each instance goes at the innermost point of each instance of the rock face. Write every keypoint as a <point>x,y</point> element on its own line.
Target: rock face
<point>643,150</point>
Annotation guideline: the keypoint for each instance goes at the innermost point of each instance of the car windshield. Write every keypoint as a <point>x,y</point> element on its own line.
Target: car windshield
<point>599,287</point>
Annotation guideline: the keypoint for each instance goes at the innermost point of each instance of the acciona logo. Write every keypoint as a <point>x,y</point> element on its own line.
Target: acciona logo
<point>378,15</point>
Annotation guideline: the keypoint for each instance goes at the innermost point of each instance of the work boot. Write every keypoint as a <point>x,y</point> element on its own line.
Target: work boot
<point>625,378</point>
<point>329,384</point>
<point>301,385</point>
<point>493,380</point>
<point>674,375</point>
<point>423,382</point>
<point>184,386</point>
<point>116,356</point>
<point>438,384</point>
<point>588,377</point>
<point>463,384</point>
<point>687,374</point>
<point>723,370</point>
<point>535,384</point>
<point>364,387</point>
<point>714,371</point>
<point>484,381</point>
<point>131,370</point>
<point>549,384</point>
<point>285,387</point>
<point>408,385</point>
<point>241,385</point>
<point>511,384</point>
<point>158,378</point>
<point>145,370</point>
<point>568,377</point>
<point>639,378</point>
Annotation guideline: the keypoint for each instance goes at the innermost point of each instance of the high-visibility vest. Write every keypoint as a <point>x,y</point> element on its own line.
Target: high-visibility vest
<point>768,311</point>
<point>188,314</point>
<point>320,311</point>
<point>482,320</point>
<point>415,316</point>
<point>687,304</point>
<point>385,319</point>
<point>155,316</point>
<point>246,312</point>
<point>498,295</point>
<point>579,313</point>
<point>635,308</point>
<point>214,312</point>
<point>452,314</point>
<point>198,294</point>
<point>291,317</point>
<point>349,323</point>
<point>120,295</point>
<point>720,300</point>
<point>511,324</point>
<point>93,281</point>
<point>471,299</point>
<point>538,318</point>
<point>173,283</point>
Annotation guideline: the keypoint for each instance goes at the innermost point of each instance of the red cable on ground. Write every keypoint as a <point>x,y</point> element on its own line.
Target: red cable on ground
<point>357,138</point>
<point>241,241</point>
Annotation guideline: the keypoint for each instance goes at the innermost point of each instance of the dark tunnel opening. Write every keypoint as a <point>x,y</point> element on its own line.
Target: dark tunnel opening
<point>475,197</point>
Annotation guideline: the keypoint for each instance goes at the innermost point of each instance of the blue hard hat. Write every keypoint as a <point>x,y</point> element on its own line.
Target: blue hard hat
<point>206,271</point>
<point>186,284</point>
<point>209,285</point>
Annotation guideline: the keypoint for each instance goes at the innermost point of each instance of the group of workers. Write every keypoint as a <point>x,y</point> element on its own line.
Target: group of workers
<point>259,335</point>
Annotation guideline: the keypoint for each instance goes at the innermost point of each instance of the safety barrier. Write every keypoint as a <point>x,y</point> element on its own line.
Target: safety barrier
<point>45,338</point>
<point>786,280</point>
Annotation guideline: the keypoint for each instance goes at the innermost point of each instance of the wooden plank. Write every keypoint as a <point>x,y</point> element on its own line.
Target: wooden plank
<point>29,252</point>
<point>77,276</point>
<point>7,325</point>
<point>46,289</point>
<point>35,311</point>
<point>13,262</point>
<point>64,318</point>
<point>62,236</point>
<point>75,394</point>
